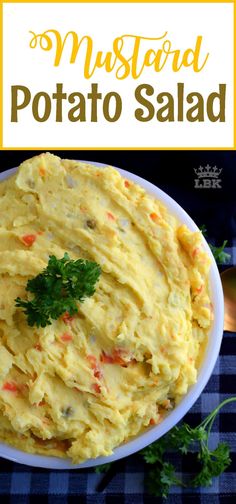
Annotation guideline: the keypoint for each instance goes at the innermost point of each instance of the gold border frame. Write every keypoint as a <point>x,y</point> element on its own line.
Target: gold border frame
<point>2,148</point>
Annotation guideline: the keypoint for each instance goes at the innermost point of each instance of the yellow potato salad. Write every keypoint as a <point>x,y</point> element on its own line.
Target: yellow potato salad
<point>86,383</point>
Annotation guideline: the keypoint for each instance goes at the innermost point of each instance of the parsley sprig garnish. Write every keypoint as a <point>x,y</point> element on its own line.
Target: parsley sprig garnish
<point>161,474</point>
<point>58,288</point>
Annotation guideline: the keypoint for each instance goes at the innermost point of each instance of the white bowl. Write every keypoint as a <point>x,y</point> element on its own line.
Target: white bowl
<point>211,354</point>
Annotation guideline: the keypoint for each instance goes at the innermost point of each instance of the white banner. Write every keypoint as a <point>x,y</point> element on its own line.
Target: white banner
<point>118,75</point>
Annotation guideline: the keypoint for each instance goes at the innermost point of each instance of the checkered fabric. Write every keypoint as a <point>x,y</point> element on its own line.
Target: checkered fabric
<point>25,485</point>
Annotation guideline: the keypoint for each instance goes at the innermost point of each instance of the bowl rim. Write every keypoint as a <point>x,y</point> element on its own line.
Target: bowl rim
<point>211,353</point>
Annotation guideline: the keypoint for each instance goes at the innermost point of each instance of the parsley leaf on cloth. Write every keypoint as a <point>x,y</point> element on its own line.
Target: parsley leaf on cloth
<point>160,474</point>
<point>219,253</point>
<point>186,439</point>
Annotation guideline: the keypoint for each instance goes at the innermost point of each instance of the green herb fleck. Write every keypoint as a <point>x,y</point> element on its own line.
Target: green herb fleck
<point>67,412</point>
<point>203,230</point>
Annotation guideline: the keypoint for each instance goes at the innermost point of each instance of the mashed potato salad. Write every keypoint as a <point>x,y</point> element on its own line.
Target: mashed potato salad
<point>86,383</point>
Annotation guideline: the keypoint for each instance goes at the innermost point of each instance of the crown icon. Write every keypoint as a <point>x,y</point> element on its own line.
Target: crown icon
<point>208,171</point>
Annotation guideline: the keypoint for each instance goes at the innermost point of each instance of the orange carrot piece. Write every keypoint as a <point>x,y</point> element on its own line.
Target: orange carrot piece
<point>67,318</point>
<point>29,239</point>
<point>66,337</point>
<point>118,359</point>
<point>195,251</point>
<point>10,386</point>
<point>111,216</point>
<point>42,403</point>
<point>38,347</point>
<point>154,217</point>
<point>115,358</point>
<point>96,387</point>
<point>199,290</point>
<point>152,421</point>
<point>127,184</point>
<point>93,361</point>
<point>42,171</point>
<point>97,372</point>
<point>106,358</point>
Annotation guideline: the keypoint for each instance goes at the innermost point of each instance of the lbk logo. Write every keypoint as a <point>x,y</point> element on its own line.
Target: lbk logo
<point>208,177</point>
